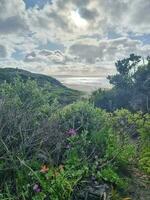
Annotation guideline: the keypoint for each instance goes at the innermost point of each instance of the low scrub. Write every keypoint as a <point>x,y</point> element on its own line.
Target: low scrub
<point>50,152</point>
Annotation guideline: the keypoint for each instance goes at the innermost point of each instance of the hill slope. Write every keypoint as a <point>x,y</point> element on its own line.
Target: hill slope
<point>63,94</point>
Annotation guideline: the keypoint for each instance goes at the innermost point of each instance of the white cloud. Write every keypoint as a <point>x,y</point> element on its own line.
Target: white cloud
<point>85,29</point>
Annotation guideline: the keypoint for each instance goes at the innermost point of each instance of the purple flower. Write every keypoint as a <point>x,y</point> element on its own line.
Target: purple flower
<point>71,132</point>
<point>36,188</point>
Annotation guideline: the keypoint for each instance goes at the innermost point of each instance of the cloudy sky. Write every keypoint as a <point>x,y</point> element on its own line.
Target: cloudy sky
<point>77,41</point>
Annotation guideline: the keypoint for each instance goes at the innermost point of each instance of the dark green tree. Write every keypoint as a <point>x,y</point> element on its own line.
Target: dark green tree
<point>141,93</point>
<point>131,86</point>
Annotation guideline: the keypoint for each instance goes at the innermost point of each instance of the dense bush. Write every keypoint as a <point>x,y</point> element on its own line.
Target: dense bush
<point>50,152</point>
<point>80,116</point>
<point>24,109</point>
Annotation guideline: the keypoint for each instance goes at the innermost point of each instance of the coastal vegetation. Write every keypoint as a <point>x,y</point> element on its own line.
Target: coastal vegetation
<point>57,145</point>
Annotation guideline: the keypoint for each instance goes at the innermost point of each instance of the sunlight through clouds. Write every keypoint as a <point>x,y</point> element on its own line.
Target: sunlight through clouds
<point>93,34</point>
<point>79,22</point>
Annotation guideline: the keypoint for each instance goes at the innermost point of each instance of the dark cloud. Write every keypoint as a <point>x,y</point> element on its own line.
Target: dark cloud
<point>105,50</point>
<point>86,52</point>
<point>3,51</point>
<point>58,20</point>
<point>88,14</point>
<point>12,25</point>
<point>56,57</point>
<point>30,57</point>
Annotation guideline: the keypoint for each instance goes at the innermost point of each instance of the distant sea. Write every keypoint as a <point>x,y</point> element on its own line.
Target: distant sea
<point>84,83</point>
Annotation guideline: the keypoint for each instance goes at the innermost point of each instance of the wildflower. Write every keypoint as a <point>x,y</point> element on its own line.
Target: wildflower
<point>71,132</point>
<point>36,188</point>
<point>44,169</point>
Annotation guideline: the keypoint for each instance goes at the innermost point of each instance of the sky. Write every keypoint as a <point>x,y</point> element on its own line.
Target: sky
<point>76,41</point>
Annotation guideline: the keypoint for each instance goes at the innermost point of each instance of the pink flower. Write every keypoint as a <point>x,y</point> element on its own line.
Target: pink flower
<point>36,188</point>
<point>71,132</point>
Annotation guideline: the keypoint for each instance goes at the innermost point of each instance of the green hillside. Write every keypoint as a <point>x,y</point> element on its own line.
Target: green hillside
<point>63,94</point>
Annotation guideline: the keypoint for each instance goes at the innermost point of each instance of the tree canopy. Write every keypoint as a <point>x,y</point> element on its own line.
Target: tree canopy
<point>131,86</point>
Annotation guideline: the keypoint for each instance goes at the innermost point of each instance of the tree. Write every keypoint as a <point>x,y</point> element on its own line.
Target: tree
<point>131,86</point>
<point>141,93</point>
<point>126,69</point>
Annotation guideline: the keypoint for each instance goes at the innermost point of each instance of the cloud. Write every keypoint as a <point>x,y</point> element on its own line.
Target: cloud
<point>11,25</point>
<point>88,14</point>
<point>51,57</point>
<point>94,34</point>
<point>92,51</point>
<point>3,51</point>
<point>13,17</point>
<point>140,17</point>
<point>30,57</point>
<point>53,21</point>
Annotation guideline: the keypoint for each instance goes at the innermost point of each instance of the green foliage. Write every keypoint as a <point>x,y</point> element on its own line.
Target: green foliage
<point>126,65</point>
<point>55,89</point>
<point>144,147</point>
<point>137,127</point>
<point>144,161</point>
<point>131,87</point>
<point>108,174</point>
<point>80,116</point>
<point>23,108</point>
<point>104,153</point>
<point>52,152</point>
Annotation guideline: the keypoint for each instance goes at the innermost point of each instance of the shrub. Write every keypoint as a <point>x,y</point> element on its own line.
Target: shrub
<point>136,126</point>
<point>80,116</point>
<point>25,109</point>
<point>52,152</point>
